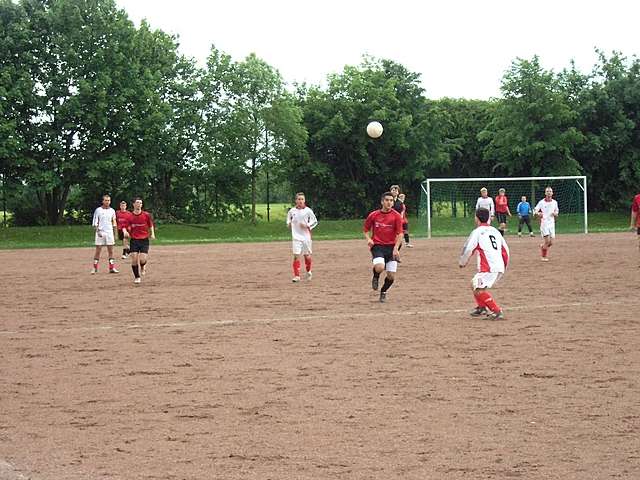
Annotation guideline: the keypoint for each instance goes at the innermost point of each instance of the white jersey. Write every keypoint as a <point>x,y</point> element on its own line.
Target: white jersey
<point>486,202</point>
<point>548,210</point>
<point>302,221</point>
<point>104,218</point>
<point>493,252</point>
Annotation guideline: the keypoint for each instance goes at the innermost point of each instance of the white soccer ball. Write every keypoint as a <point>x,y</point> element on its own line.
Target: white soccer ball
<point>374,129</point>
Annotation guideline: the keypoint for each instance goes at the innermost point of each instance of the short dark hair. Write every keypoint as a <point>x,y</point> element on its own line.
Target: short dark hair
<point>386,194</point>
<point>136,199</point>
<point>300,194</point>
<point>482,214</point>
<point>106,195</point>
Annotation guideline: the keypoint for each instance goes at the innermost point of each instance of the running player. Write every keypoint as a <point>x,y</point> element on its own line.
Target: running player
<point>122,217</point>
<point>104,222</point>
<point>524,211</point>
<point>140,229</point>
<point>383,231</point>
<point>301,220</point>
<point>502,210</point>
<point>485,201</point>
<point>493,257</point>
<point>635,216</point>
<point>405,221</point>
<point>547,210</point>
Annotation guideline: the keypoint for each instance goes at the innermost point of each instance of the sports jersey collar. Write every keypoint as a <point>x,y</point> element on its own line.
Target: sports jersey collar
<point>483,225</point>
<point>550,200</point>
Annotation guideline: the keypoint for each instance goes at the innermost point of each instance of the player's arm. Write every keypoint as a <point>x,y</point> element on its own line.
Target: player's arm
<point>366,229</point>
<point>468,249</point>
<point>508,211</point>
<point>505,253</point>
<point>634,219</point>
<point>312,221</point>
<point>399,238</point>
<point>289,218</point>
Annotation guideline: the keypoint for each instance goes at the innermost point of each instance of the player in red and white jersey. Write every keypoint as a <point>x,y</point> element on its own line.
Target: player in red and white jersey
<point>493,258</point>
<point>547,210</point>
<point>635,216</point>
<point>301,220</point>
<point>139,229</point>
<point>383,231</point>
<point>502,210</point>
<point>122,218</point>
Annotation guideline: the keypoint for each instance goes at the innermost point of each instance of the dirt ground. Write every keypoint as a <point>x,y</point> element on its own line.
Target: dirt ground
<point>218,367</point>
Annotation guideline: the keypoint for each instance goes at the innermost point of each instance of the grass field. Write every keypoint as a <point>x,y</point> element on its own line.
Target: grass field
<point>243,231</point>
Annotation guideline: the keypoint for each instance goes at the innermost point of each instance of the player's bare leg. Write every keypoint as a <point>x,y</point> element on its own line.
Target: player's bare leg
<point>125,247</point>
<point>112,261</point>
<point>388,281</point>
<point>502,228</point>
<point>544,247</point>
<point>96,259</point>
<point>296,268</point>
<point>307,264</point>
<point>375,280</point>
<point>143,258</point>
<point>135,267</point>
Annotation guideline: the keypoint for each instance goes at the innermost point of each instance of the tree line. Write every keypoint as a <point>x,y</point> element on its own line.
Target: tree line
<point>92,104</point>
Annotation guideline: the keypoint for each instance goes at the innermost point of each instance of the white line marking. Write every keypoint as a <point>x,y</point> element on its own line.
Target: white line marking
<point>380,313</point>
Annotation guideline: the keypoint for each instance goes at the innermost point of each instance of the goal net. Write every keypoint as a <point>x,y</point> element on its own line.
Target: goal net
<point>447,205</point>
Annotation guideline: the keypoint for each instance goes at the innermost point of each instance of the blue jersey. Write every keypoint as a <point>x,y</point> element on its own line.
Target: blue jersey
<point>523,209</point>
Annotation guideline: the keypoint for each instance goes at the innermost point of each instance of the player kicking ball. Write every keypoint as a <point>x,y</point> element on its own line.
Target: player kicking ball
<point>493,257</point>
<point>301,220</point>
<point>383,231</point>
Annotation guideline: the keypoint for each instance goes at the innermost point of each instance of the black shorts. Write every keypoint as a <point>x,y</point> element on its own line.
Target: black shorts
<point>382,251</point>
<point>120,234</point>
<point>638,230</point>
<point>501,217</point>
<point>139,245</point>
<point>405,227</point>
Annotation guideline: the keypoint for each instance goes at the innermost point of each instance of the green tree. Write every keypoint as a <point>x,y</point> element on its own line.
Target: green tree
<point>342,162</point>
<point>533,131</point>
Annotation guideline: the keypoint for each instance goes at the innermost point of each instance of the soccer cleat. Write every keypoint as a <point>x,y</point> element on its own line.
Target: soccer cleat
<point>478,312</point>
<point>519,234</point>
<point>309,275</point>
<point>124,255</point>
<point>114,270</point>
<point>295,279</point>
<point>137,280</point>
<point>375,281</point>
<point>495,315</point>
<point>94,270</point>
<point>383,297</point>
<point>545,259</point>
<point>531,234</point>
<point>408,245</point>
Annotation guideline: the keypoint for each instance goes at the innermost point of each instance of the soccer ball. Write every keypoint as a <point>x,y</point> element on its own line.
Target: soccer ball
<point>374,129</point>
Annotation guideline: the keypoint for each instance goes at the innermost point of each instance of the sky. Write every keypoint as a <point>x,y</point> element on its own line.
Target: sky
<point>461,48</point>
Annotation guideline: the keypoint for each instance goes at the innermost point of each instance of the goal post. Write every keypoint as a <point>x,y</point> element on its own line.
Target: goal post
<point>447,205</point>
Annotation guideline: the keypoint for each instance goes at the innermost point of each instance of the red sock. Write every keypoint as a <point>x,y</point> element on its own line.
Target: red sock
<point>307,263</point>
<point>488,301</point>
<point>544,252</point>
<point>296,268</point>
<point>479,302</point>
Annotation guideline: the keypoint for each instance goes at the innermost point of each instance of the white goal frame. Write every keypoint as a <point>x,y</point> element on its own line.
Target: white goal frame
<point>429,181</point>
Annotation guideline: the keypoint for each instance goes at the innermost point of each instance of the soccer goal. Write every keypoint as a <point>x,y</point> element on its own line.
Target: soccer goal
<point>447,205</point>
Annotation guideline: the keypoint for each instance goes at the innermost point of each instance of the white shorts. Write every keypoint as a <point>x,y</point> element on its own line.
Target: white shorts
<point>548,230</point>
<point>301,247</point>
<point>105,238</point>
<point>485,279</point>
<point>391,266</point>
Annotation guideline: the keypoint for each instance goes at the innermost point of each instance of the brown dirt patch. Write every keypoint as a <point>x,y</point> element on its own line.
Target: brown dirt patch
<point>217,366</point>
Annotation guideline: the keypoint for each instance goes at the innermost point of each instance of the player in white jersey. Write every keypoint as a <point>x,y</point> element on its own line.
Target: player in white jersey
<point>301,220</point>
<point>486,202</point>
<point>547,210</point>
<point>493,257</point>
<point>104,223</point>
